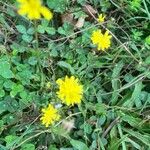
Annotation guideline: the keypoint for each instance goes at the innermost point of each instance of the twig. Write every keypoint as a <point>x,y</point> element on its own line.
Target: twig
<point>31,137</point>
<point>110,127</point>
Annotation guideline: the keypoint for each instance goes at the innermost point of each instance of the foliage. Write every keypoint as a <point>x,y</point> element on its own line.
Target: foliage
<point>34,54</point>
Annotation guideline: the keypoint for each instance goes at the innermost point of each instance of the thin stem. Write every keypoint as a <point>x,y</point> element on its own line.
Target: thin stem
<point>36,34</point>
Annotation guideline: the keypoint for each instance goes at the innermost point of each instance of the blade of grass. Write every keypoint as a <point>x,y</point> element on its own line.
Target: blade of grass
<point>121,136</point>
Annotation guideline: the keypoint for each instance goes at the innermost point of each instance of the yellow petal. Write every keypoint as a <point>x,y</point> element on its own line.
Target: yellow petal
<point>47,14</point>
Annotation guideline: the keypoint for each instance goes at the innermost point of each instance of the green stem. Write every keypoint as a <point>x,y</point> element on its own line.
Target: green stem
<point>36,34</point>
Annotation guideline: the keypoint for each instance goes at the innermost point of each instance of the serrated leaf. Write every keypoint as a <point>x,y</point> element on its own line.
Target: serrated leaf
<point>134,122</point>
<point>141,137</point>
<point>116,82</point>
<point>63,64</point>
<point>135,98</point>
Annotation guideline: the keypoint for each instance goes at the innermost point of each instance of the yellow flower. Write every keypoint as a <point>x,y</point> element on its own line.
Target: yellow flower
<point>101,18</point>
<point>103,41</point>
<point>49,116</point>
<point>70,91</point>
<point>34,9</point>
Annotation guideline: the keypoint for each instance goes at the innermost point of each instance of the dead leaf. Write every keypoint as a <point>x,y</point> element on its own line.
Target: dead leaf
<point>88,8</point>
<point>68,17</point>
<point>80,22</point>
<point>68,125</point>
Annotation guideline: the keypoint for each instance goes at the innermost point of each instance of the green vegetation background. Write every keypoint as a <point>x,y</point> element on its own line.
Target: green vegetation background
<point>115,112</point>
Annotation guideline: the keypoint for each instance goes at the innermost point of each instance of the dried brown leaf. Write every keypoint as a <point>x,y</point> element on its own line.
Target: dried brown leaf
<point>80,22</point>
<point>88,8</point>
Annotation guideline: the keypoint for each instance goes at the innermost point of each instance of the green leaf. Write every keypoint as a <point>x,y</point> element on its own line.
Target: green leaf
<point>100,109</point>
<point>133,121</point>
<point>5,71</point>
<point>137,135</point>
<point>87,128</point>
<point>21,29</point>
<point>115,142</point>
<point>3,107</point>
<point>8,84</point>
<point>147,61</point>
<point>45,23</point>
<point>61,31</point>
<point>82,2</point>
<point>147,40</point>
<point>136,145</point>
<point>18,48</point>
<point>135,98</point>
<point>30,31</point>
<point>79,145</point>
<point>66,29</point>
<point>57,5</point>
<point>2,93</point>
<point>27,38</point>
<point>116,82</point>
<point>54,53</point>
<point>105,5</point>
<point>16,88</point>
<point>9,139</point>
<point>51,30</point>
<point>24,75</point>
<point>41,29</point>
<point>2,128</point>
<point>32,61</point>
<point>3,148</point>
<point>52,147</point>
<point>28,147</point>
<point>8,104</point>
<point>63,64</point>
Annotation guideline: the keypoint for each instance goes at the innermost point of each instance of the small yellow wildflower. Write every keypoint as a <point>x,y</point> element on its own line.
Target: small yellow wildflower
<point>101,18</point>
<point>70,91</point>
<point>101,40</point>
<point>34,9</point>
<point>49,116</point>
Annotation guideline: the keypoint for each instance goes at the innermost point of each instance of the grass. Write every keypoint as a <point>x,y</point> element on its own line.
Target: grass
<point>114,112</point>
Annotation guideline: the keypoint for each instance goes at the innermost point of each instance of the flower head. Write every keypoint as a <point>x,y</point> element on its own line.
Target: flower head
<point>34,9</point>
<point>101,40</point>
<point>49,116</point>
<point>70,91</point>
<point>101,18</point>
